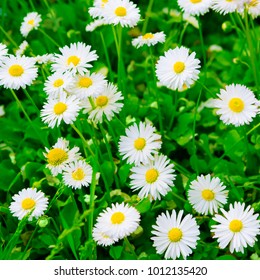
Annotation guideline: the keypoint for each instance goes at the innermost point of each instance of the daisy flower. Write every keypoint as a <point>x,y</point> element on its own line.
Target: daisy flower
<point>106,104</point>
<point>175,234</point>
<point>149,39</point>
<point>207,194</point>
<point>236,105</point>
<point>224,6</point>
<point>101,238</point>
<point>20,51</point>
<point>195,7</point>
<point>88,84</point>
<point>60,109</point>
<point>140,143</point>
<point>123,12</point>
<point>3,51</point>
<point>238,227</point>
<point>57,83</point>
<point>77,174</point>
<point>94,24</point>
<point>97,10</point>
<point>254,8</point>
<point>154,179</point>
<point>29,201</point>
<point>45,58</point>
<point>59,156</point>
<point>177,68</point>
<point>119,221</point>
<point>30,22</point>
<point>74,58</point>
<point>17,72</point>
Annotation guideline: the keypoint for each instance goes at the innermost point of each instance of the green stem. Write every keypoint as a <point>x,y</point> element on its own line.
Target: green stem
<point>234,145</point>
<point>156,94</point>
<point>26,115</point>
<point>110,155</point>
<point>49,37</point>
<point>8,36</point>
<point>174,110</point>
<point>32,5</point>
<point>92,207</point>
<point>31,100</point>
<point>252,55</point>
<point>147,16</point>
<point>179,197</point>
<point>107,57</point>
<point>84,142</point>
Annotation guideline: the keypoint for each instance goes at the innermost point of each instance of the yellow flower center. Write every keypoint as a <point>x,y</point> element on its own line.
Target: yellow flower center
<point>16,70</point>
<point>175,234</point>
<point>28,203</point>
<point>117,218</point>
<point>73,59</point>
<point>208,195</point>
<point>195,1</point>
<point>253,3</point>
<point>148,36</point>
<point>78,174</point>
<point>58,83</point>
<point>151,175</point>
<point>139,143</point>
<point>120,11</point>
<point>236,105</point>
<point>56,156</point>
<point>60,108</point>
<point>31,21</point>
<point>178,67</point>
<point>101,101</point>
<point>85,82</point>
<point>235,225</point>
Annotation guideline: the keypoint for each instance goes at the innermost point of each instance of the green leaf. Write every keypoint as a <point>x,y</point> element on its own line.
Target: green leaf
<point>124,173</point>
<point>226,257</point>
<point>144,205</point>
<point>115,252</point>
<point>107,171</point>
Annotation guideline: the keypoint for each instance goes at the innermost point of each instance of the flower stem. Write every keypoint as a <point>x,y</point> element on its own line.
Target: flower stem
<point>147,16</point>
<point>156,95</point>
<point>49,37</point>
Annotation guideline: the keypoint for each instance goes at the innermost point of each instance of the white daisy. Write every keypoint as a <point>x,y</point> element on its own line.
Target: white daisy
<point>3,51</point>
<point>97,10</point>
<point>140,143</point>
<point>77,174</point>
<point>149,39</point>
<point>94,24</point>
<point>60,109</point>
<point>106,104</point>
<point>30,22</point>
<point>45,58</point>
<point>123,12</point>
<point>195,7</point>
<point>74,58</point>
<point>236,105</point>
<point>191,20</point>
<point>101,238</point>
<point>88,84</point>
<point>177,68</point>
<point>59,156</point>
<point>254,8</point>
<point>57,83</point>
<point>224,6</point>
<point>29,201</point>
<point>154,179</point>
<point>16,72</point>
<point>238,227</point>
<point>21,49</point>
<point>175,236</point>
<point>207,194</point>
<point>119,221</point>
